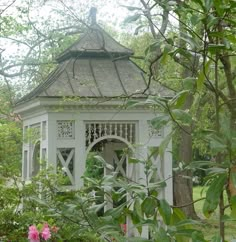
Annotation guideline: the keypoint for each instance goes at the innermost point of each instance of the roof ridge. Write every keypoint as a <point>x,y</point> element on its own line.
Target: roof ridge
<point>95,41</point>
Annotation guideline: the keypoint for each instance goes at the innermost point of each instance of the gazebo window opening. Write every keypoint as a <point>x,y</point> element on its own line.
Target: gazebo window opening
<point>115,154</point>
<point>65,165</point>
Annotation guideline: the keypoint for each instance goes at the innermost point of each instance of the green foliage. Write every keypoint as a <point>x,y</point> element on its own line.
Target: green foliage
<point>213,193</point>
<point>10,148</point>
<point>94,166</point>
<point>79,213</point>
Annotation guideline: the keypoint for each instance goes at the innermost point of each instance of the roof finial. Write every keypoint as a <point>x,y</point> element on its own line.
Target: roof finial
<point>93,15</point>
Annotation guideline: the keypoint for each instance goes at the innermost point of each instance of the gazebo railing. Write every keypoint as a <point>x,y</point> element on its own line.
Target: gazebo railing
<point>98,129</point>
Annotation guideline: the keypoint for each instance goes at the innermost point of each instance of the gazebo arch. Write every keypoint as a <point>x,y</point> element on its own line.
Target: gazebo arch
<point>108,153</point>
<point>107,138</point>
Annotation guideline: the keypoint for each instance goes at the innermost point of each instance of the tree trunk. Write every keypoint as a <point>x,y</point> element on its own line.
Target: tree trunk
<point>183,193</point>
<point>183,185</point>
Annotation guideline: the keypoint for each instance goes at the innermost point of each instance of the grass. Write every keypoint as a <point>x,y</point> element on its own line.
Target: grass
<point>211,225</point>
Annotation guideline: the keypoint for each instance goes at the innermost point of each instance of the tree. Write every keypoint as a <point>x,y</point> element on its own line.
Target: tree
<point>207,33</point>
<point>157,53</point>
<point>205,48</point>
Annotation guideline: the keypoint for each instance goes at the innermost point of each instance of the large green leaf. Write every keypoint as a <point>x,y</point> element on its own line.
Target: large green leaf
<point>161,236</point>
<point>213,194</point>
<point>159,121</point>
<point>201,164</point>
<point>198,236</point>
<point>208,4</point>
<point>149,206</point>
<point>181,116</point>
<point>218,6</point>
<point>202,75</point>
<point>116,212</point>
<point>177,215</point>
<point>164,143</point>
<point>165,211</point>
<point>179,99</point>
<point>233,206</point>
<point>199,2</point>
<point>137,215</point>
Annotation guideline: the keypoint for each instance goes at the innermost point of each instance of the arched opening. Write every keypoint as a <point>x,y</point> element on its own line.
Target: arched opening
<point>114,153</point>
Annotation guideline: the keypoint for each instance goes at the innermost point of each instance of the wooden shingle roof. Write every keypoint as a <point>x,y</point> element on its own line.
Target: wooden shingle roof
<point>95,66</point>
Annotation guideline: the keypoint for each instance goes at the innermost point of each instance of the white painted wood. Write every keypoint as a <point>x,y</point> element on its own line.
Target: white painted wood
<point>80,153</point>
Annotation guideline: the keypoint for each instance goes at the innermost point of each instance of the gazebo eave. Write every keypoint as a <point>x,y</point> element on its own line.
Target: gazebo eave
<point>77,103</point>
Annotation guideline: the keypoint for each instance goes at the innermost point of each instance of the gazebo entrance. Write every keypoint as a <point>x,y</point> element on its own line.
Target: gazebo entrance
<point>114,153</point>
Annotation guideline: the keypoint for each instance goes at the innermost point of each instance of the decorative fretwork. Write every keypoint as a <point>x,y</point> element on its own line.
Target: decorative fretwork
<point>65,129</point>
<point>156,133</point>
<point>65,164</point>
<point>96,130</point>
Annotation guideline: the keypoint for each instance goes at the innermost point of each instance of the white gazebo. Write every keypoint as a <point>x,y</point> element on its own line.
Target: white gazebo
<point>80,106</point>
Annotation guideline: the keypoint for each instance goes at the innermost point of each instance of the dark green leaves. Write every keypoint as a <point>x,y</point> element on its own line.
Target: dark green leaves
<point>213,194</point>
<point>158,122</point>
<point>149,206</point>
<point>165,211</point>
<point>181,116</point>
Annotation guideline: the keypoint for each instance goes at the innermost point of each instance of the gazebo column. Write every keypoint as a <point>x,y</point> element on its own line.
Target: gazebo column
<point>80,158</point>
<point>52,155</point>
<point>142,154</point>
<point>25,155</point>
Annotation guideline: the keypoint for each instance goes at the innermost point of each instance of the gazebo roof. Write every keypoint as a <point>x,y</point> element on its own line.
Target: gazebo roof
<point>95,42</point>
<point>95,66</point>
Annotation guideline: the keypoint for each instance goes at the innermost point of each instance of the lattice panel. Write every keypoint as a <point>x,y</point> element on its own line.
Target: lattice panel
<point>65,129</point>
<point>95,130</point>
<point>65,164</point>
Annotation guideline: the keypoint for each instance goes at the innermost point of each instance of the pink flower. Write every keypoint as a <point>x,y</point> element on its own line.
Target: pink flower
<point>45,234</point>
<point>33,234</point>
